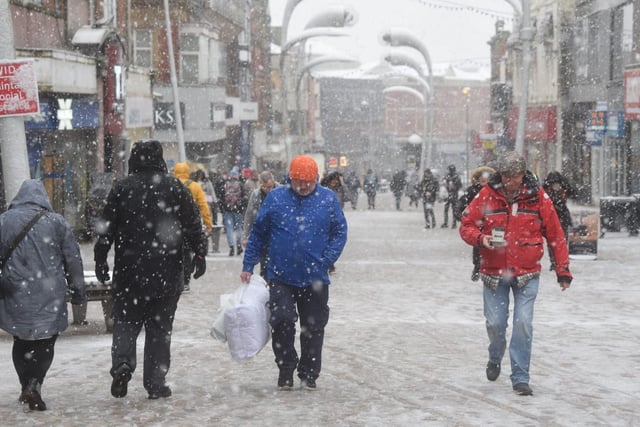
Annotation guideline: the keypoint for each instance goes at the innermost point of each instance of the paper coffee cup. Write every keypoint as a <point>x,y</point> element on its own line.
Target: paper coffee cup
<point>497,235</point>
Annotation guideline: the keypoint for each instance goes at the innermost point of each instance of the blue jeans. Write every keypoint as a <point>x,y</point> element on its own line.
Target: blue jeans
<point>233,224</point>
<point>496,313</point>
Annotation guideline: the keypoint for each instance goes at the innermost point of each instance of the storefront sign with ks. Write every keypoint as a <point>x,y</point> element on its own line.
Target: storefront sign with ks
<point>18,88</point>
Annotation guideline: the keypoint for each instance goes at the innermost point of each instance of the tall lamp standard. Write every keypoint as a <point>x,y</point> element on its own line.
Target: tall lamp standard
<point>413,139</point>
<point>466,91</point>
<point>326,24</point>
<point>307,69</point>
<point>399,58</point>
<point>401,38</point>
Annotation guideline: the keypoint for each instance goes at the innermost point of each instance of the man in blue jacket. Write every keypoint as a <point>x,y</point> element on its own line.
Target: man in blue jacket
<point>305,230</point>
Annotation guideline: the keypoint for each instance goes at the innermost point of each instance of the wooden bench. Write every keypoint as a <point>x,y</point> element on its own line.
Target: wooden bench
<point>96,291</point>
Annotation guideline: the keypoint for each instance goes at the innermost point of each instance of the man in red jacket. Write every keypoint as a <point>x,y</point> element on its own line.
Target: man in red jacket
<point>508,221</point>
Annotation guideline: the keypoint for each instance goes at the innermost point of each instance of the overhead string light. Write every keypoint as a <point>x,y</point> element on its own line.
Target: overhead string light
<point>458,7</point>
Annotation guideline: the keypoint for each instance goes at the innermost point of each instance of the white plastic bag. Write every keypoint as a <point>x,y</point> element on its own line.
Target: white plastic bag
<point>243,319</point>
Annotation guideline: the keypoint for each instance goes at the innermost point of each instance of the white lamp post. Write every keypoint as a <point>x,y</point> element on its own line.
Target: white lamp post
<point>466,91</point>
<point>401,37</point>
<point>335,17</point>
<point>307,68</point>
<point>399,58</point>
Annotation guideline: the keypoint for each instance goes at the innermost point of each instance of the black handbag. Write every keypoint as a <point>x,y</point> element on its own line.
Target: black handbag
<point>16,241</point>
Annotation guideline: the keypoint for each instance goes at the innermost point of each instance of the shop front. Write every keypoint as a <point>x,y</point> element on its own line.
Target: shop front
<point>61,146</point>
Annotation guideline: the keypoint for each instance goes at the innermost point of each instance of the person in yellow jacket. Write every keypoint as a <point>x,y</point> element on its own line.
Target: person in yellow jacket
<point>182,171</point>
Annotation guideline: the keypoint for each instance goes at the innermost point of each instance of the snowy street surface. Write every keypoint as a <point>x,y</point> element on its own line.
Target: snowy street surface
<point>405,346</point>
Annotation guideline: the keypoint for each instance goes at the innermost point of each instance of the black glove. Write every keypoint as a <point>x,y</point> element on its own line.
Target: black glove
<point>102,272</point>
<point>198,266</point>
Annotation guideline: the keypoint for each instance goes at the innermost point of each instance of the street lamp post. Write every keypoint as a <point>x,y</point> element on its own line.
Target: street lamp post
<point>307,69</point>
<point>401,38</point>
<point>466,91</point>
<point>399,58</point>
<point>325,24</point>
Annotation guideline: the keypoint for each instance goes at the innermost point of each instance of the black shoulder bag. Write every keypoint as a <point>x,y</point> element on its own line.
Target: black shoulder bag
<point>16,241</point>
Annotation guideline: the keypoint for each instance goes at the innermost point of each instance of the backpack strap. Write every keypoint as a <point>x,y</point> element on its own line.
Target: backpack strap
<point>16,241</point>
<point>187,183</point>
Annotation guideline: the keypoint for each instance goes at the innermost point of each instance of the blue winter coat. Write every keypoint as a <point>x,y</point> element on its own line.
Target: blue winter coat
<point>35,276</point>
<point>305,235</point>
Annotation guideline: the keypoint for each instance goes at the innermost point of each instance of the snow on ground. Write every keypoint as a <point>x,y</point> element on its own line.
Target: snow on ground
<point>405,346</point>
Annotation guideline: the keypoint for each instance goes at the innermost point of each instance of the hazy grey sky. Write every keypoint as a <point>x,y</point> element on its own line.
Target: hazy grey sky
<point>452,30</point>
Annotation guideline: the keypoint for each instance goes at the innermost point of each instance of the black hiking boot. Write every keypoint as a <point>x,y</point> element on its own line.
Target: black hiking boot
<point>523,389</point>
<point>285,380</point>
<point>493,371</point>
<point>121,377</point>
<point>159,392</point>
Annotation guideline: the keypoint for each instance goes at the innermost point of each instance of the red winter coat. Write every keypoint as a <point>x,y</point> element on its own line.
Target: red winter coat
<point>527,221</point>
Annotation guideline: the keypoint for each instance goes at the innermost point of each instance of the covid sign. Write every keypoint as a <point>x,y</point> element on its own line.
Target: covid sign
<point>18,88</point>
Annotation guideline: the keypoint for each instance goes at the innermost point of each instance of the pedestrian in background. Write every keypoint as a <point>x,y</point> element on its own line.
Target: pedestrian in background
<point>371,188</point>
<point>333,181</point>
<point>353,187</point>
<point>508,221</point>
<point>412,187</point>
<point>267,183</point>
<point>150,217</point>
<point>559,189</point>
<point>452,184</point>
<point>398,185</point>
<point>182,171</point>
<point>233,207</point>
<point>303,225</point>
<point>42,263</point>
<point>479,178</point>
<point>201,178</point>
<point>428,189</point>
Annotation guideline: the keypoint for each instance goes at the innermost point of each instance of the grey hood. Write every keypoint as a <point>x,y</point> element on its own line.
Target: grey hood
<point>32,192</point>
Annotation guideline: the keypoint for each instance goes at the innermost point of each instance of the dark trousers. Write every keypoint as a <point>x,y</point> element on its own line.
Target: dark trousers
<point>311,304</point>
<point>429,216</point>
<point>450,202</point>
<point>371,200</point>
<point>32,359</point>
<point>156,315</point>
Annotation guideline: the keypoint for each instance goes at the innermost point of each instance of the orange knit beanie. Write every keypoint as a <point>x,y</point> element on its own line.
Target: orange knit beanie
<point>303,168</point>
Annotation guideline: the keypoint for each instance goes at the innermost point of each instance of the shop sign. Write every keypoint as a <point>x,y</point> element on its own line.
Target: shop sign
<point>66,114</point>
<point>615,124</point>
<point>18,88</point>
<point>596,120</point>
<point>594,137</point>
<point>632,94</point>
<point>164,116</point>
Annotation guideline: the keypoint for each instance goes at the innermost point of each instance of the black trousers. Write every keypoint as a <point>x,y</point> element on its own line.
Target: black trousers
<point>156,315</point>
<point>311,304</point>
<point>32,359</point>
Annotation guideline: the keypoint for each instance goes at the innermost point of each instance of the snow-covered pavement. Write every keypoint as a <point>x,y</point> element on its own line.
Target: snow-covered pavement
<point>405,346</point>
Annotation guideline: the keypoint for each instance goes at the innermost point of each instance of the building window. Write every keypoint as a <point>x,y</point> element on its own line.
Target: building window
<point>142,48</point>
<point>189,58</point>
<point>217,60</point>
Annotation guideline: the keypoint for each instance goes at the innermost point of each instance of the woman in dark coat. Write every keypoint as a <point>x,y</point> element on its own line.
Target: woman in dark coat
<point>428,189</point>
<point>559,189</point>
<point>35,279</point>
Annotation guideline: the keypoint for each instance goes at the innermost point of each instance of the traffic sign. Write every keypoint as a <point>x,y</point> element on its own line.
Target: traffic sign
<point>18,88</point>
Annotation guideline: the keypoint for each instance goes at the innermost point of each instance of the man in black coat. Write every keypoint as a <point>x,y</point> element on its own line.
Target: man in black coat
<point>452,185</point>
<point>148,218</point>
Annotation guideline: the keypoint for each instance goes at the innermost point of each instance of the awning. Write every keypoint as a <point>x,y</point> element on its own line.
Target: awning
<point>89,36</point>
<point>541,123</point>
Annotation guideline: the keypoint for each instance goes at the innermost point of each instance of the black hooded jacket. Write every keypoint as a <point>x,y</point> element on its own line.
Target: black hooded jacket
<point>148,217</point>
